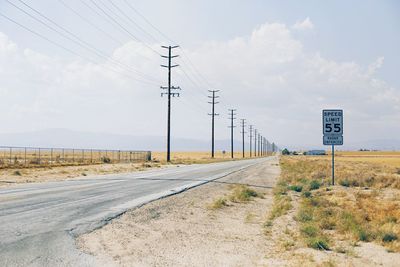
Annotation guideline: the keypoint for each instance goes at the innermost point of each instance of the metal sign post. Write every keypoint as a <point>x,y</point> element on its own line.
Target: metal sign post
<point>333,164</point>
<point>332,128</point>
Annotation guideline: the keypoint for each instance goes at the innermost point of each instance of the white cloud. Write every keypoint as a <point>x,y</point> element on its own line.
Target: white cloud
<point>267,76</point>
<point>306,24</point>
<point>373,67</point>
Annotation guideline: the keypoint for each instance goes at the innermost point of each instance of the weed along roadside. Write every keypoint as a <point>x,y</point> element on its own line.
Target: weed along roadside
<point>345,223</point>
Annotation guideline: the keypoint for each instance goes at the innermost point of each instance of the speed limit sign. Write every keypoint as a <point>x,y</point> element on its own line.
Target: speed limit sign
<point>332,126</point>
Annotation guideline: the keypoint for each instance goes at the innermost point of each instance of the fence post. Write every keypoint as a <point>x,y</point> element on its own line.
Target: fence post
<point>39,156</point>
<point>91,155</point>
<point>119,156</point>
<point>10,155</point>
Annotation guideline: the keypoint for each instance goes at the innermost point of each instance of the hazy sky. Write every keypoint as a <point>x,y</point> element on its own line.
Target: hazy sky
<point>279,63</point>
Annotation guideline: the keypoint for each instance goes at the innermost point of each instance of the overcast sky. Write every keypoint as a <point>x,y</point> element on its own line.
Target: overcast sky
<point>279,63</point>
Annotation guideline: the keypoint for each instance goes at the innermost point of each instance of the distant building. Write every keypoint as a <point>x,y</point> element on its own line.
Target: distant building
<point>316,152</point>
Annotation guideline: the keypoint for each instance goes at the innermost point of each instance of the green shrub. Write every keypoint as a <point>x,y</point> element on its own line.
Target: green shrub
<point>389,237</point>
<point>17,173</point>
<point>314,185</point>
<point>307,194</point>
<point>105,160</point>
<point>363,235</point>
<point>319,242</point>
<point>305,215</point>
<point>309,230</point>
<point>349,182</point>
<point>297,188</point>
<point>344,182</point>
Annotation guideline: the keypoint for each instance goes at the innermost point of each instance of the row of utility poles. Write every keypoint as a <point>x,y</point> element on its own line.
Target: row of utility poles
<point>261,145</point>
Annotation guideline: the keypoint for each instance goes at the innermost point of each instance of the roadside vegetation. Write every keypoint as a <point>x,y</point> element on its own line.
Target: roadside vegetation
<point>363,206</point>
<point>238,194</point>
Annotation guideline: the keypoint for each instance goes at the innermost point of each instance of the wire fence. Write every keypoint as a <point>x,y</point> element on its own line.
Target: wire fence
<point>40,156</point>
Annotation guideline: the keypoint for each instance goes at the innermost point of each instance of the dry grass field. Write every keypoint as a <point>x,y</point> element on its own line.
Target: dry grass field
<point>348,222</point>
<point>196,157</point>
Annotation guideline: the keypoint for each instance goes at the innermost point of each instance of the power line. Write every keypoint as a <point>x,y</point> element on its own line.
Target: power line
<point>91,23</point>
<point>78,41</point>
<point>120,25</point>
<point>133,22</point>
<point>149,23</point>
<point>67,49</point>
<point>169,39</point>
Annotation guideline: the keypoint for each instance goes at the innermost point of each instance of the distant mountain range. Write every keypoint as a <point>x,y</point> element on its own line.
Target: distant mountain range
<point>76,139</point>
<point>377,144</point>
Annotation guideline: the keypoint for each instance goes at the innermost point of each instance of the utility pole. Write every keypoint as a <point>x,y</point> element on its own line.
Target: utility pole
<point>262,146</point>
<point>213,114</point>
<point>232,117</point>
<point>265,147</point>
<point>243,132</point>
<point>169,94</point>
<point>255,142</point>
<point>251,137</point>
<point>258,151</point>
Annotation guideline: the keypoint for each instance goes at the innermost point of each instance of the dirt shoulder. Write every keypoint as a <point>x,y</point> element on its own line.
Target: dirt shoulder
<point>217,224</point>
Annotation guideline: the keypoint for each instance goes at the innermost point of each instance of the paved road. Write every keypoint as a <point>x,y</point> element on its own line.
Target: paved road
<point>38,221</point>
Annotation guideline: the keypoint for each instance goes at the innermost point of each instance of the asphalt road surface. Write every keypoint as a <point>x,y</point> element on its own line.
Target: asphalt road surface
<point>38,221</point>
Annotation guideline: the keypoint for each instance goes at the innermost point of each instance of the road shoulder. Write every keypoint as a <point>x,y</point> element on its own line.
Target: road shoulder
<point>182,229</point>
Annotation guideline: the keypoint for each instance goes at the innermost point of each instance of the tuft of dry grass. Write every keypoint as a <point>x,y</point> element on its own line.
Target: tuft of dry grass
<point>218,203</point>
<point>242,193</point>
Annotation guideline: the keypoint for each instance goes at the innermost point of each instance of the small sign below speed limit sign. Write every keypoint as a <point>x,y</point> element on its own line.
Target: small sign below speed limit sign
<point>332,126</point>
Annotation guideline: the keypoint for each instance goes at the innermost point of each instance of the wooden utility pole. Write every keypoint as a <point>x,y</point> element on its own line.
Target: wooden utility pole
<point>255,142</point>
<point>232,118</point>
<point>243,121</point>
<point>169,94</point>
<point>251,137</point>
<point>213,114</point>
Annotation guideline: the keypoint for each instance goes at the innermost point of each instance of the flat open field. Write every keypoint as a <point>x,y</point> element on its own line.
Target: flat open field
<point>356,222</point>
<point>185,157</point>
<point>390,158</point>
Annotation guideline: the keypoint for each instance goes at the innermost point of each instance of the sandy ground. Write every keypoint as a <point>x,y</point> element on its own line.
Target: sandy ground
<point>183,230</point>
<point>10,177</point>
